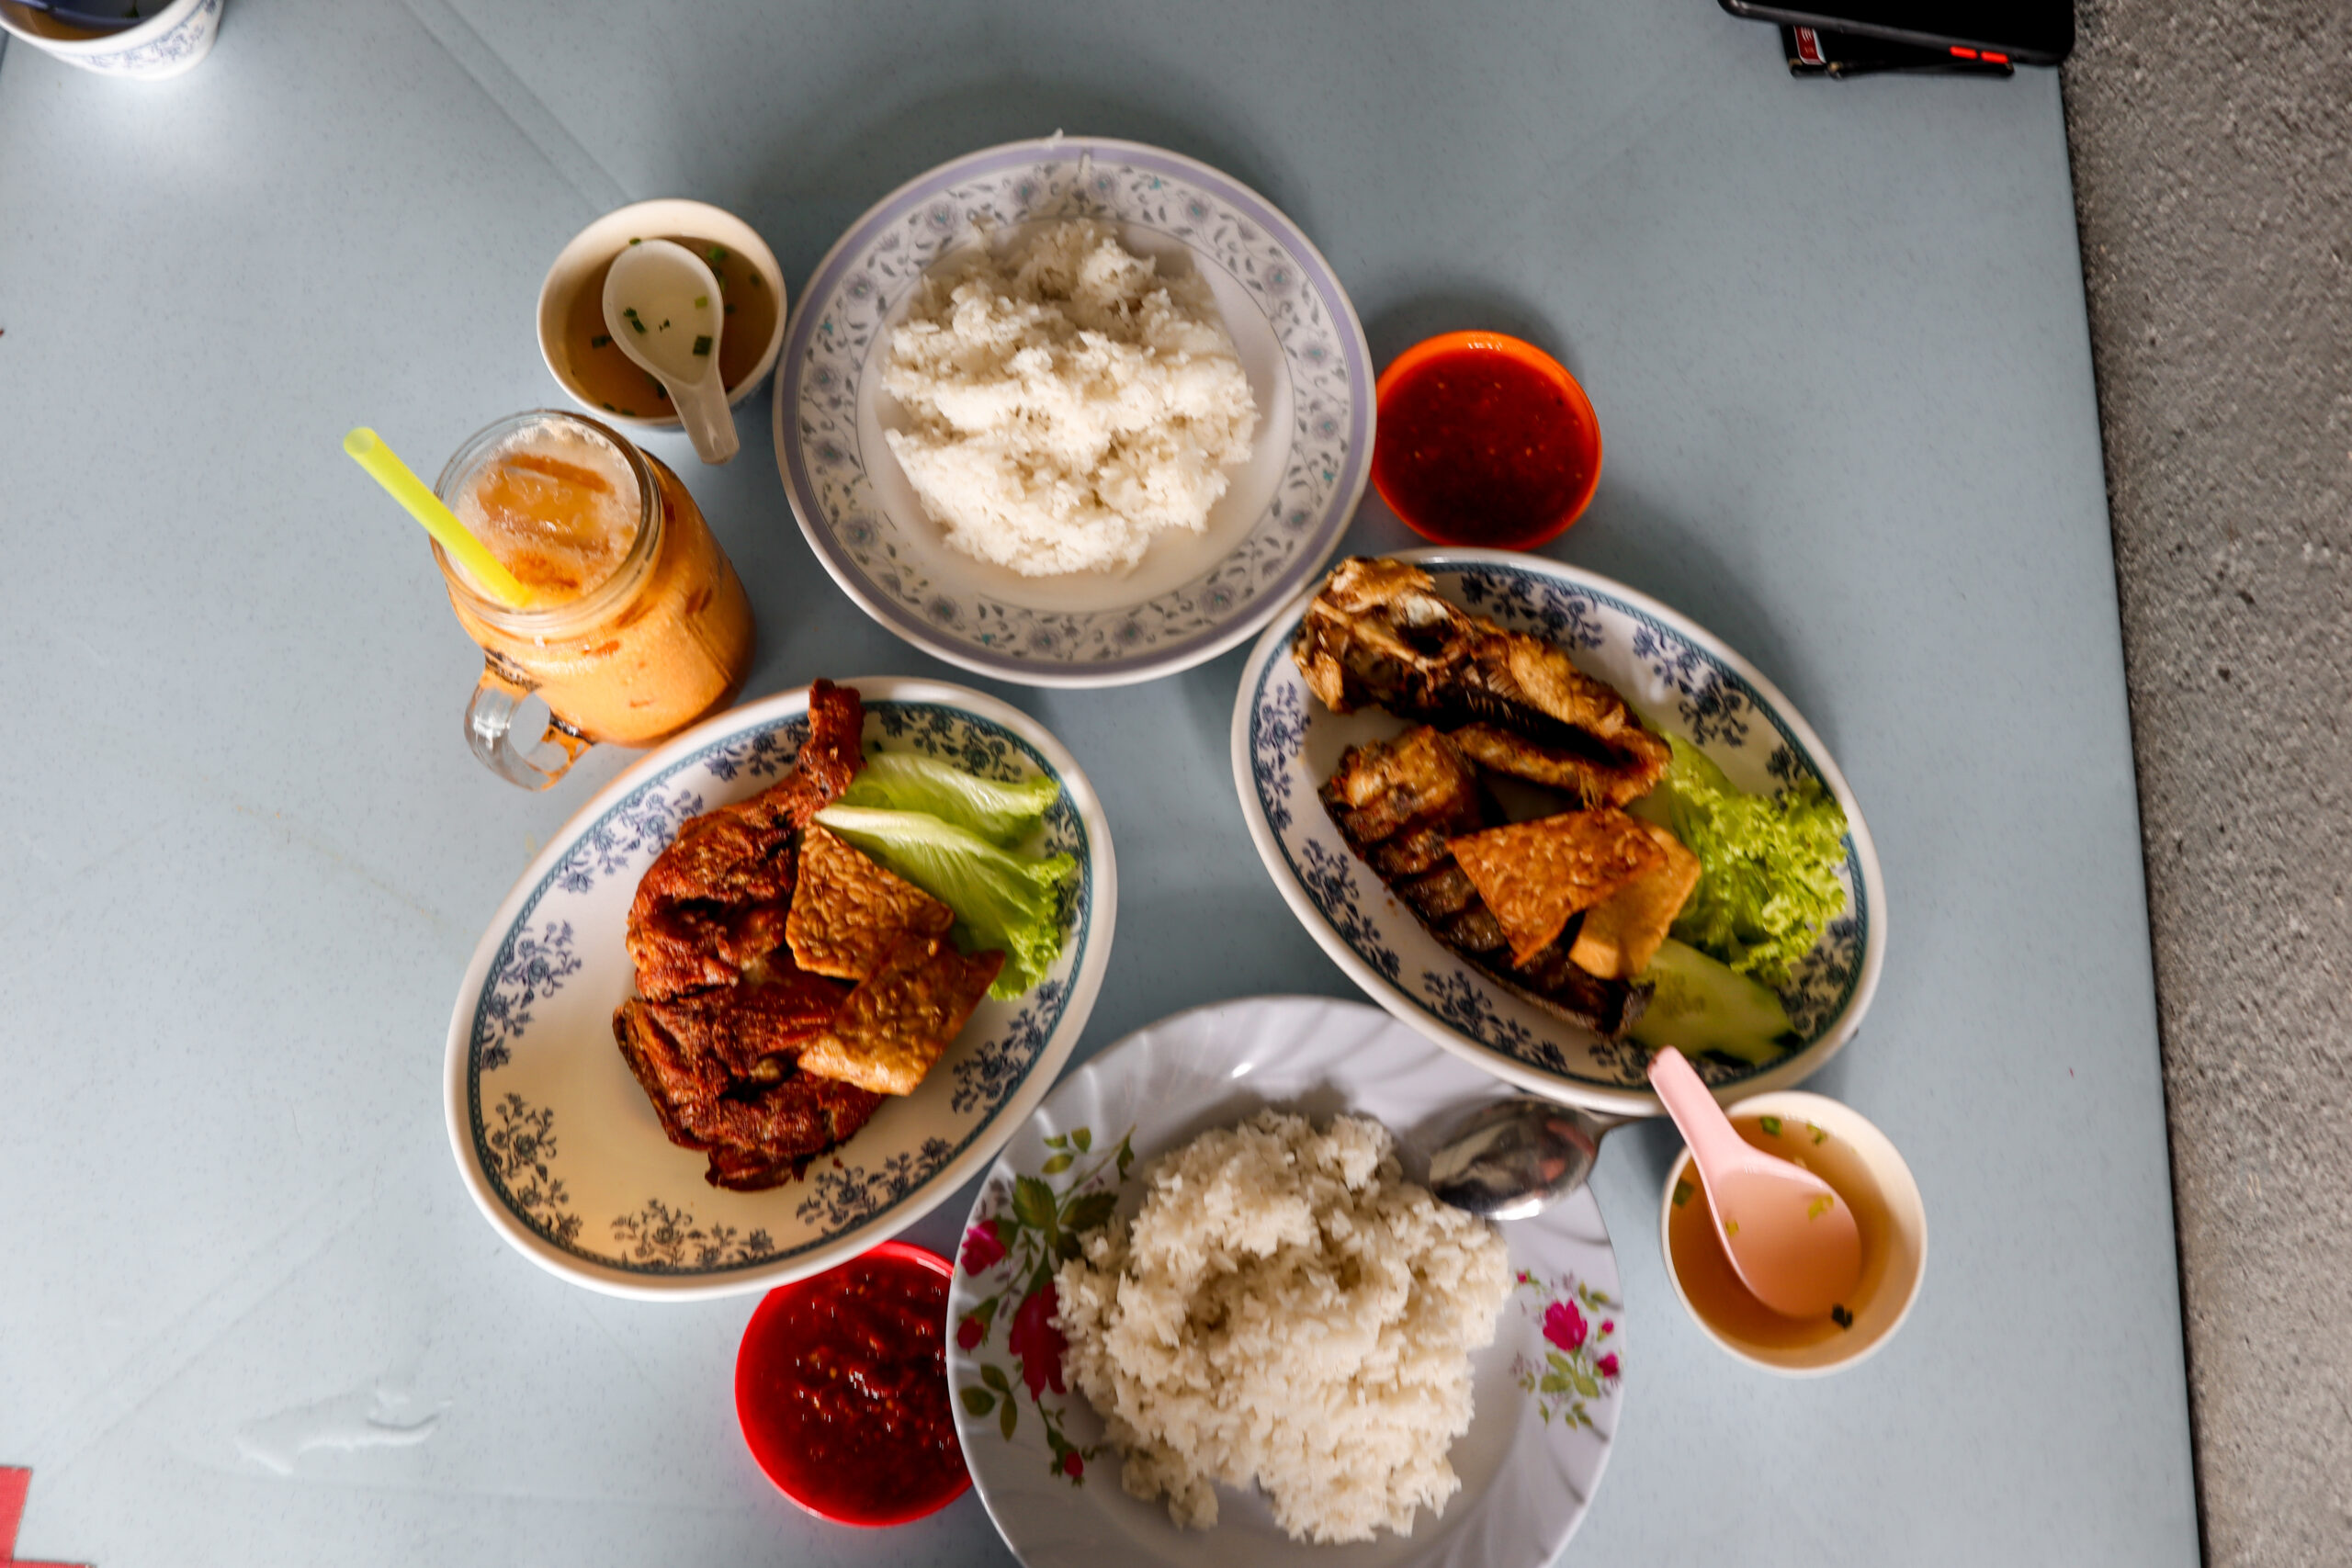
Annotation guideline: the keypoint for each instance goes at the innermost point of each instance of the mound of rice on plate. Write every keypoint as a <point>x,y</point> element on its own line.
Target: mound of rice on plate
<point>1287,1311</point>
<point>1066,401</point>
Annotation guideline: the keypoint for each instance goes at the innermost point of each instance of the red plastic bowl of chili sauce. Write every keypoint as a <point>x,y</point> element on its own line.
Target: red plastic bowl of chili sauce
<point>841,1388</point>
<point>1484,440</point>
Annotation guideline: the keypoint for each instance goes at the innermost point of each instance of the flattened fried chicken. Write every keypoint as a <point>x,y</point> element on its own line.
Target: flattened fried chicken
<point>713,903</point>
<point>722,1012</point>
<point>1378,635</point>
<point>748,1051</point>
<point>757,1133</point>
<point>757,1028</point>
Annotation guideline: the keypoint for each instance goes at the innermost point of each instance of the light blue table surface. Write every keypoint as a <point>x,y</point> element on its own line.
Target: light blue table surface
<point>1836,336</point>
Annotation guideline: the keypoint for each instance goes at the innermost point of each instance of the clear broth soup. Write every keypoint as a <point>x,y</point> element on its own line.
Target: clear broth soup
<point>609,380</point>
<point>1704,1267</point>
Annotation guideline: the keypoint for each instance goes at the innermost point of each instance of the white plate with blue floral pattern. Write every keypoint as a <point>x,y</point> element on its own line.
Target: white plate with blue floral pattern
<point>558,1142</point>
<point>1547,1392</point>
<point>1683,682</point>
<point>1191,597</point>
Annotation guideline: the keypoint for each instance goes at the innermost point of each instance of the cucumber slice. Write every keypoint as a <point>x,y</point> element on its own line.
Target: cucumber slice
<point>1701,1005</point>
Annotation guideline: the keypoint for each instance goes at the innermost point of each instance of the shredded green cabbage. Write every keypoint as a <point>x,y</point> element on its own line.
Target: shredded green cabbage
<point>1004,814</point>
<point>1002,900</point>
<point>1768,885</point>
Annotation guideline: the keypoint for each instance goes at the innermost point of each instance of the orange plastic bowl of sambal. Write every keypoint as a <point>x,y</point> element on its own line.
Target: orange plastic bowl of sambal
<point>1484,440</point>
<point>841,1388</point>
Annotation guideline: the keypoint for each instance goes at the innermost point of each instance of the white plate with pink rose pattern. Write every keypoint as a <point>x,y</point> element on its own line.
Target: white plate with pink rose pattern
<point>1548,1391</point>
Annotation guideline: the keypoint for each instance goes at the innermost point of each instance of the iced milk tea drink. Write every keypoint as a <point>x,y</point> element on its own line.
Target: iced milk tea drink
<point>637,624</point>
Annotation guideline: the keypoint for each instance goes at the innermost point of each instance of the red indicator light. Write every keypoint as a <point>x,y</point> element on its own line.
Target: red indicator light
<point>1992,58</point>
<point>1960,53</point>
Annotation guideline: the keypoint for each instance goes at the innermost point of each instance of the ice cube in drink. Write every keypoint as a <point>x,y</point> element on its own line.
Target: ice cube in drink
<point>557,505</point>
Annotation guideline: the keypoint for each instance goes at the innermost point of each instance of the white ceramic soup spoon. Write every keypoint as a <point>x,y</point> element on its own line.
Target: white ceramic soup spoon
<point>661,307</point>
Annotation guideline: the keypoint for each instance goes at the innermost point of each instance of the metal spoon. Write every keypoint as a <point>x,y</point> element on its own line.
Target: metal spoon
<point>1516,1158</point>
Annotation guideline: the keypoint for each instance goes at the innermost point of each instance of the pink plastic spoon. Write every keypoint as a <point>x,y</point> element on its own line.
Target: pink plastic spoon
<point>1791,1241</point>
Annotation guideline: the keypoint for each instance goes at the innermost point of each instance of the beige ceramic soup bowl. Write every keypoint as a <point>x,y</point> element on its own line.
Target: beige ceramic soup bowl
<point>1893,1260</point>
<point>604,239</point>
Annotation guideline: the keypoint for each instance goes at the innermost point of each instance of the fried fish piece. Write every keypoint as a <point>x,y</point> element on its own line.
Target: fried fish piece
<point>1416,780</point>
<point>1397,804</point>
<point>1621,933</point>
<point>1599,775</point>
<point>850,909</point>
<point>1533,876</point>
<point>1377,634</point>
<point>897,1022</point>
<point>713,903</point>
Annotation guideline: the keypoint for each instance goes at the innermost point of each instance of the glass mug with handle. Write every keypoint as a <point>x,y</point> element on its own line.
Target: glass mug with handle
<point>637,624</point>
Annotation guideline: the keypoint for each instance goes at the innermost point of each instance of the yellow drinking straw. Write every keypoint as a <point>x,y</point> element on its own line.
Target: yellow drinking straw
<point>367,450</point>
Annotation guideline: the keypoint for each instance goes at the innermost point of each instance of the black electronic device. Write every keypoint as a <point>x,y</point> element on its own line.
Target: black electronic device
<point>1817,51</point>
<point>1995,32</point>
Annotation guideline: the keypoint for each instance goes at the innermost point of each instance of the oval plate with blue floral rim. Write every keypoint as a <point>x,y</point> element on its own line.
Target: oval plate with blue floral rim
<point>560,1146</point>
<point>1191,596</point>
<point>1285,744</point>
<point>1547,1392</point>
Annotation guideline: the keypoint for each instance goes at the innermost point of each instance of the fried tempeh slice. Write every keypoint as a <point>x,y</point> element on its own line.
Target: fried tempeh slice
<point>1621,933</point>
<point>1533,876</point>
<point>850,911</point>
<point>1599,775</point>
<point>897,1022</point>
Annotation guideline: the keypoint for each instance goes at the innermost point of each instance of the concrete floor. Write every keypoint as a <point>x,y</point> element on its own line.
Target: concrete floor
<point>2212,155</point>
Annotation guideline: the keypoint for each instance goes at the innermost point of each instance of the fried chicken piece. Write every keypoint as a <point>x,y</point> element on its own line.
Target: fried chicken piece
<point>1377,634</point>
<point>713,903</point>
<point>754,1030</point>
<point>1534,874</point>
<point>850,911</point>
<point>757,1133</point>
<point>753,1170</point>
<point>1621,933</point>
<point>1598,775</point>
<point>723,1012</point>
<point>897,1022</point>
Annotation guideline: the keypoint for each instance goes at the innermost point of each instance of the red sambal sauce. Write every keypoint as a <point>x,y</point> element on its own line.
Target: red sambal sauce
<point>1476,448</point>
<point>844,1399</point>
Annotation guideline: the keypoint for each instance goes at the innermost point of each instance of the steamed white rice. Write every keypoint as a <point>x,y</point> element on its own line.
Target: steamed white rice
<point>1287,1311</point>
<point>1068,403</point>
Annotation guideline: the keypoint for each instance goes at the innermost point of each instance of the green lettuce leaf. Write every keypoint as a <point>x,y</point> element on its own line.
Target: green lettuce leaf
<point>1767,884</point>
<point>1002,900</point>
<point>1004,814</point>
